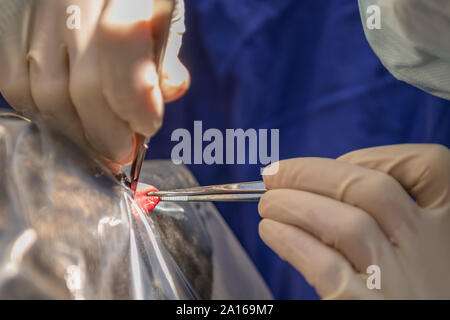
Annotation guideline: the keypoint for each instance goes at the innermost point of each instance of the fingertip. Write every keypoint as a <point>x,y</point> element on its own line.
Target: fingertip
<point>266,202</point>
<point>270,229</point>
<point>113,151</point>
<point>125,156</point>
<point>261,205</point>
<point>145,111</point>
<point>269,174</point>
<point>176,80</point>
<point>264,230</point>
<point>278,237</point>
<point>112,166</point>
<point>118,155</point>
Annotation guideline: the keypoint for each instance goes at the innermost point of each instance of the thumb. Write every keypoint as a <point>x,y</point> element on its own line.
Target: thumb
<point>175,78</point>
<point>422,169</point>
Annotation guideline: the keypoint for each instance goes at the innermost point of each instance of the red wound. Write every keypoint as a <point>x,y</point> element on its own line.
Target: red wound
<point>145,202</point>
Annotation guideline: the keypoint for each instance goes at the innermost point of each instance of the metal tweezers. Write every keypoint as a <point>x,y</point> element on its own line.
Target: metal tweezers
<point>234,192</point>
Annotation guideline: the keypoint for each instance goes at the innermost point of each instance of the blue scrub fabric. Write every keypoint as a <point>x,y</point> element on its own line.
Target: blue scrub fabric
<point>301,66</point>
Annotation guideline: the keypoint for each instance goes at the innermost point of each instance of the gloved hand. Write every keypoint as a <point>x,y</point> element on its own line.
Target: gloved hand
<point>98,83</point>
<point>332,219</point>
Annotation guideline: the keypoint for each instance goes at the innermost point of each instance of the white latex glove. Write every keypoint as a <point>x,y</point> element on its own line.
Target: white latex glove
<point>332,219</point>
<point>98,83</point>
<point>413,41</point>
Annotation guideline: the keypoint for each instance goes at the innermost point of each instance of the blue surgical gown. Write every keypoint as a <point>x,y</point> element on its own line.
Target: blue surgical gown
<point>301,66</point>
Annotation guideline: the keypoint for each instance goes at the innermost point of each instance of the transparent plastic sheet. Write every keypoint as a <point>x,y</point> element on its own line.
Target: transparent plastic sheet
<point>68,230</point>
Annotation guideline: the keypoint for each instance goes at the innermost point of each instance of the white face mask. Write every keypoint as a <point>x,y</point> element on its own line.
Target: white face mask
<point>412,40</point>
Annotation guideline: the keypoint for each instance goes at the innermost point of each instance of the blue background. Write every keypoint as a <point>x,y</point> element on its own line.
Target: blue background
<point>301,66</point>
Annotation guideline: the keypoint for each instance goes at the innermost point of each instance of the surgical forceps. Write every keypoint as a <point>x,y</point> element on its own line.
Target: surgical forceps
<point>234,192</point>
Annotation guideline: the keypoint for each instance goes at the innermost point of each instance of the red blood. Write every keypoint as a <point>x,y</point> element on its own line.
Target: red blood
<point>145,202</point>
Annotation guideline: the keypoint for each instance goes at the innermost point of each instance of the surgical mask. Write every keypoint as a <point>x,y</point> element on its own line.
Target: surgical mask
<point>412,40</point>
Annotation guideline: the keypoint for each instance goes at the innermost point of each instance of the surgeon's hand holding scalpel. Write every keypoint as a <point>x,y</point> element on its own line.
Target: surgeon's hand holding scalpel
<point>89,67</point>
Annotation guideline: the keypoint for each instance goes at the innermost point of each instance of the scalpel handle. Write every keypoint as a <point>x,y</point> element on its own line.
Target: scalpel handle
<point>159,51</point>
